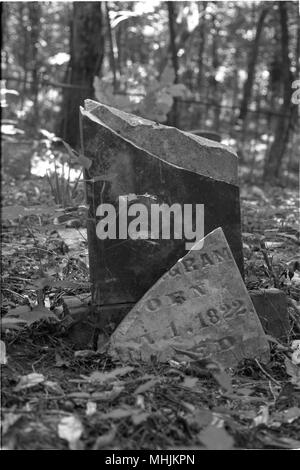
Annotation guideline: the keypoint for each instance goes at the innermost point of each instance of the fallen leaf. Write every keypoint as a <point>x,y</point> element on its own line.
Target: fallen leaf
<point>14,212</point>
<point>146,386</point>
<point>189,382</point>
<point>103,377</point>
<point>216,438</point>
<point>70,428</point>
<point>91,408</point>
<point>245,391</point>
<point>28,381</point>
<point>53,386</point>
<point>105,440</point>
<point>84,353</point>
<point>9,420</point>
<point>293,371</point>
<point>3,357</point>
<point>291,414</point>
<point>224,380</point>
<point>199,418</point>
<point>108,395</point>
<point>296,357</point>
<point>295,344</point>
<point>26,315</point>
<point>262,417</point>
<point>119,413</point>
<point>140,402</point>
<point>80,395</point>
<point>60,362</point>
<point>139,418</point>
<point>279,442</point>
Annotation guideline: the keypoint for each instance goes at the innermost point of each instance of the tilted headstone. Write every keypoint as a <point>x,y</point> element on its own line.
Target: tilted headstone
<point>200,307</point>
<point>134,161</point>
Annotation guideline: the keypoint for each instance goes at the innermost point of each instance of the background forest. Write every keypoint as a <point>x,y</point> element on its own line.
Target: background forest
<point>226,67</point>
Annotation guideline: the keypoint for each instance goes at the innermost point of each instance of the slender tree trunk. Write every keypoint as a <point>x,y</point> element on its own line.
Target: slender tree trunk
<point>278,147</point>
<point>252,65</point>
<point>120,43</point>
<point>34,10</point>
<point>172,118</point>
<point>202,33</point>
<point>87,52</point>
<point>215,87</point>
<point>111,48</point>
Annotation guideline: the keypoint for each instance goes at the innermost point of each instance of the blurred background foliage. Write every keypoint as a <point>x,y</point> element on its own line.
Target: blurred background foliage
<point>220,66</point>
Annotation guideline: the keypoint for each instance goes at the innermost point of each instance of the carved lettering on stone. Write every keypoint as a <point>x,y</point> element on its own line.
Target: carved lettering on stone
<point>199,306</point>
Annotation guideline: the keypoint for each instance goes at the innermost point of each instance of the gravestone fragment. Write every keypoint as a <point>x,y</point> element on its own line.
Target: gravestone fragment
<point>122,173</point>
<point>199,306</point>
<point>202,154</point>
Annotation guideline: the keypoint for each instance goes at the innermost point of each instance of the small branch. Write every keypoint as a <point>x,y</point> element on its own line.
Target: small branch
<point>266,373</point>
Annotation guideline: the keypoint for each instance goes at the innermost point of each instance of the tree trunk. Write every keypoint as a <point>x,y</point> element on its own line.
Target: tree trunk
<point>202,9</point>
<point>34,11</point>
<point>214,83</point>
<point>278,147</point>
<point>251,66</point>
<point>172,118</point>
<point>111,48</point>
<point>87,52</point>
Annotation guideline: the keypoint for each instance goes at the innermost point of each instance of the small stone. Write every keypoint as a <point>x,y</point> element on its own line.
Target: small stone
<point>271,308</point>
<point>200,307</point>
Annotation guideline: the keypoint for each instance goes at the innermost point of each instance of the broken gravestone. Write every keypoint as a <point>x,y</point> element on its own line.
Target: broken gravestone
<point>184,149</point>
<point>138,166</point>
<point>199,307</point>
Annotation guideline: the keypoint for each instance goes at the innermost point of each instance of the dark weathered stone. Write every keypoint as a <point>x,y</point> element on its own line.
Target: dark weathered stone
<point>122,270</point>
<point>82,323</point>
<point>77,323</point>
<point>199,306</point>
<point>186,150</point>
<point>271,307</point>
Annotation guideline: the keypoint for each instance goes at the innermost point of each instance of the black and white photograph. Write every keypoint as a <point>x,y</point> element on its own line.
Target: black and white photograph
<point>150,261</point>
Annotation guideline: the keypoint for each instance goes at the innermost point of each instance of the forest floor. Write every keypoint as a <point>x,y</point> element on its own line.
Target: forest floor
<point>56,395</point>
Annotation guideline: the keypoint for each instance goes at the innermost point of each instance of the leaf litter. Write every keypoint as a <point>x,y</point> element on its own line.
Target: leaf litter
<point>57,395</point>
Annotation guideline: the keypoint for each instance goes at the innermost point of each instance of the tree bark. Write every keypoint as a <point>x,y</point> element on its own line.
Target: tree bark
<point>252,65</point>
<point>34,11</point>
<point>111,47</point>
<point>278,147</point>
<point>172,118</point>
<point>87,52</point>
<point>202,8</point>
<point>215,63</point>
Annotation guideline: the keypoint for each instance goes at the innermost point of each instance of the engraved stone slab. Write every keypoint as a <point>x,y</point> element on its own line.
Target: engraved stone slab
<point>186,150</point>
<point>123,269</point>
<point>200,305</point>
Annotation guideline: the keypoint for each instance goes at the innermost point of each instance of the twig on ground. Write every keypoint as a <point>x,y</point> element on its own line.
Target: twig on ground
<point>266,373</point>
